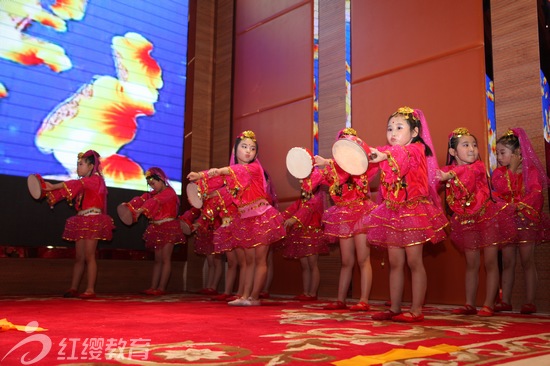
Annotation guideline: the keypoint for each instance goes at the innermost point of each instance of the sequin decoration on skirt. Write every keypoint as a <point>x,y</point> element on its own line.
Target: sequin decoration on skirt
<point>98,227</point>
<point>263,229</point>
<point>302,242</point>
<point>401,224</point>
<point>168,232</point>
<point>491,225</point>
<point>340,220</point>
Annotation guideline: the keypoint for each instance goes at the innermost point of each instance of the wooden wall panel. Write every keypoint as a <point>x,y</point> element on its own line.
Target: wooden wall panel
<point>273,95</point>
<point>448,97</point>
<point>253,13</point>
<point>208,118</point>
<point>332,73</point>
<point>223,84</point>
<point>201,118</point>
<point>516,64</point>
<point>270,70</point>
<point>389,35</point>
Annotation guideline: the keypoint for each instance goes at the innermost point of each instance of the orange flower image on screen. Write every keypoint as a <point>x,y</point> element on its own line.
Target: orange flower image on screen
<point>15,17</point>
<point>102,115</point>
<point>70,9</point>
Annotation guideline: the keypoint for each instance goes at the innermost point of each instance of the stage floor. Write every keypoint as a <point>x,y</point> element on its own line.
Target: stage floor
<point>190,329</point>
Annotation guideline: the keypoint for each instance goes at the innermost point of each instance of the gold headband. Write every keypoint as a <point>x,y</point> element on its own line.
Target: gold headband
<point>459,132</point>
<point>406,111</point>
<point>248,134</point>
<point>349,131</point>
<point>509,133</point>
<point>80,155</point>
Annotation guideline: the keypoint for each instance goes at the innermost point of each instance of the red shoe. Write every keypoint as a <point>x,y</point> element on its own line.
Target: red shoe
<point>87,295</point>
<point>360,306</point>
<point>486,311</point>
<point>158,292</point>
<point>384,315</point>
<point>502,306</point>
<point>221,297</point>
<point>465,310</point>
<point>231,298</point>
<point>208,291</point>
<point>338,305</point>
<point>71,293</point>
<point>149,292</point>
<point>528,309</point>
<point>264,295</point>
<point>408,317</point>
<point>304,297</point>
<point>387,303</point>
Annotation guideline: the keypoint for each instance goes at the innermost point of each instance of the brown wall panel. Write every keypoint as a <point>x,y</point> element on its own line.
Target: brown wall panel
<point>278,130</point>
<point>332,72</point>
<point>390,34</point>
<point>518,104</point>
<point>274,63</point>
<point>448,97</point>
<point>252,13</point>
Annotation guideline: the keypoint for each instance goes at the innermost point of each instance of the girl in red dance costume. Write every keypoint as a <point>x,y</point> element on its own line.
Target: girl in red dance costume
<point>89,195</point>
<point>520,181</point>
<point>410,214</point>
<point>478,222</point>
<point>305,239</point>
<point>160,206</point>
<point>351,197</point>
<point>217,211</point>
<point>258,224</point>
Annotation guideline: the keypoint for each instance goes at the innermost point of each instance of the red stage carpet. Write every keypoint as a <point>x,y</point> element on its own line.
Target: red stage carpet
<point>191,330</point>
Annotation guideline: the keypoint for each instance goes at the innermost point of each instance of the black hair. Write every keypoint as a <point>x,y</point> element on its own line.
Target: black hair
<point>453,144</point>
<point>413,123</point>
<point>237,142</point>
<point>510,141</point>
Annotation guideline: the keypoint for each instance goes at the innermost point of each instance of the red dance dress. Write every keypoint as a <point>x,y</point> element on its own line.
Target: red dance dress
<point>216,213</point>
<point>89,195</point>
<point>306,236</point>
<point>350,195</point>
<point>525,195</point>
<point>477,221</point>
<point>257,222</point>
<point>407,215</point>
<point>161,208</point>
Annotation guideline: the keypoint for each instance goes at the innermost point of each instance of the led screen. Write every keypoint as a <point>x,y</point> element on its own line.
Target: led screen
<point>106,75</point>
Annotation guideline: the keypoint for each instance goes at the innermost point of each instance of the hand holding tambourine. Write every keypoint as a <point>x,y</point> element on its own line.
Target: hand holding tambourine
<point>299,162</point>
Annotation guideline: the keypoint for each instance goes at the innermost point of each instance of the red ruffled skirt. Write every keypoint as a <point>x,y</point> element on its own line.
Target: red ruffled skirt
<point>250,232</point>
<point>223,239</point>
<point>168,232</point>
<point>530,232</point>
<point>489,226</point>
<point>341,220</point>
<point>303,242</point>
<point>402,224</point>
<point>99,227</point>
<point>204,242</point>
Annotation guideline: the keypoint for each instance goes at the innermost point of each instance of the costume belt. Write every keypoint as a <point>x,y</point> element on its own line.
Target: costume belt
<point>90,211</point>
<point>162,221</point>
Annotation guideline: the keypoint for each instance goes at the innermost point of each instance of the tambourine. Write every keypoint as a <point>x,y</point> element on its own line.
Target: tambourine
<point>185,227</point>
<point>126,214</point>
<point>37,186</point>
<point>300,162</point>
<point>193,195</point>
<point>351,154</point>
